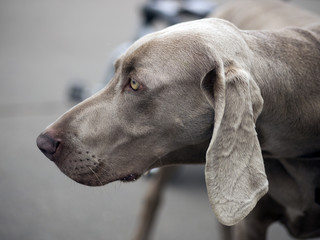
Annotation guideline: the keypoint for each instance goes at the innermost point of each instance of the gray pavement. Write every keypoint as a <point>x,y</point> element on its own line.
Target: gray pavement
<point>44,47</point>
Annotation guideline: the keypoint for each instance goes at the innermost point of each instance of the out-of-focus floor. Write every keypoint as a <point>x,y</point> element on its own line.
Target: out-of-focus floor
<point>44,47</point>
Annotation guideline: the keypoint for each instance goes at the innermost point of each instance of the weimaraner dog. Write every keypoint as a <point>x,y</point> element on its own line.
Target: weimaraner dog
<point>242,102</point>
<point>245,14</point>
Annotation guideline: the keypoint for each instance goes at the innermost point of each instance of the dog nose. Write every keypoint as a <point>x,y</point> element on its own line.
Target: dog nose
<point>48,145</point>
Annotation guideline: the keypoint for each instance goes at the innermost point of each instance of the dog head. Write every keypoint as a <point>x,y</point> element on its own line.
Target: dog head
<point>172,89</point>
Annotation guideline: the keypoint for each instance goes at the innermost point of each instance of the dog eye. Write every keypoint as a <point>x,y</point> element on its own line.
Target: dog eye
<point>134,84</point>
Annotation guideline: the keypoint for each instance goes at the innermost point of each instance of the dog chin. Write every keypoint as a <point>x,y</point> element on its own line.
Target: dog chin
<point>90,182</point>
<point>94,182</point>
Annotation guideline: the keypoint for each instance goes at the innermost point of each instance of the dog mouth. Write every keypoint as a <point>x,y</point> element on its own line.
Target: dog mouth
<point>91,170</point>
<point>96,182</point>
<point>93,180</point>
<point>130,178</point>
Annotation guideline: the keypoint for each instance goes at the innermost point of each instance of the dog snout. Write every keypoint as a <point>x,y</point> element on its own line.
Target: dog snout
<point>48,145</point>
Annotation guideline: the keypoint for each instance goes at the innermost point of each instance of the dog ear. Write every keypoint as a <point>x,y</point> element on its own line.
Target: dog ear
<point>235,175</point>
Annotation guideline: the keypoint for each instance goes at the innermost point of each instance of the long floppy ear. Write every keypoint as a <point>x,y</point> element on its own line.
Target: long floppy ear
<point>235,174</point>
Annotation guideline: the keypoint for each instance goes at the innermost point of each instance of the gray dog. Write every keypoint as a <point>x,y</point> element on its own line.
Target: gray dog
<point>205,91</point>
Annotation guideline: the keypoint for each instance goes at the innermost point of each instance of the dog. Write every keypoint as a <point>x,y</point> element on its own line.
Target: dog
<point>243,102</point>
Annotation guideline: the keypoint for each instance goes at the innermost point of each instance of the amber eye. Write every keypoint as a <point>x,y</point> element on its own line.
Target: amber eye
<point>134,84</point>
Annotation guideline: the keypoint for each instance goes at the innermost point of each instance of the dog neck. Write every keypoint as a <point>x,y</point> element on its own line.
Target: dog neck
<point>286,67</point>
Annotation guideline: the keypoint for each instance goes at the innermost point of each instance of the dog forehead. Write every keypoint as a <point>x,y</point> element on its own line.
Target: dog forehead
<point>181,38</point>
<point>164,38</point>
<point>161,46</point>
<point>152,46</point>
<point>179,52</point>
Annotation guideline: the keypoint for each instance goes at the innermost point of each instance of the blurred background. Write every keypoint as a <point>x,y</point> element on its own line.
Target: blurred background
<point>46,47</point>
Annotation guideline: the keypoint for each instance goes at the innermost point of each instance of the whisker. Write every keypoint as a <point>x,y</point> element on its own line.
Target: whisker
<point>110,171</point>
<point>103,169</point>
<point>95,175</point>
<point>159,159</point>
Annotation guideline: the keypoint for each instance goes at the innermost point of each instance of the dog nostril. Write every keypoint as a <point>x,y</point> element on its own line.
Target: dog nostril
<point>48,145</point>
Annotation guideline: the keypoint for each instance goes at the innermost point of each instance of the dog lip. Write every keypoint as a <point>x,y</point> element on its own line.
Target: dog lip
<point>130,178</point>
<point>97,183</point>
